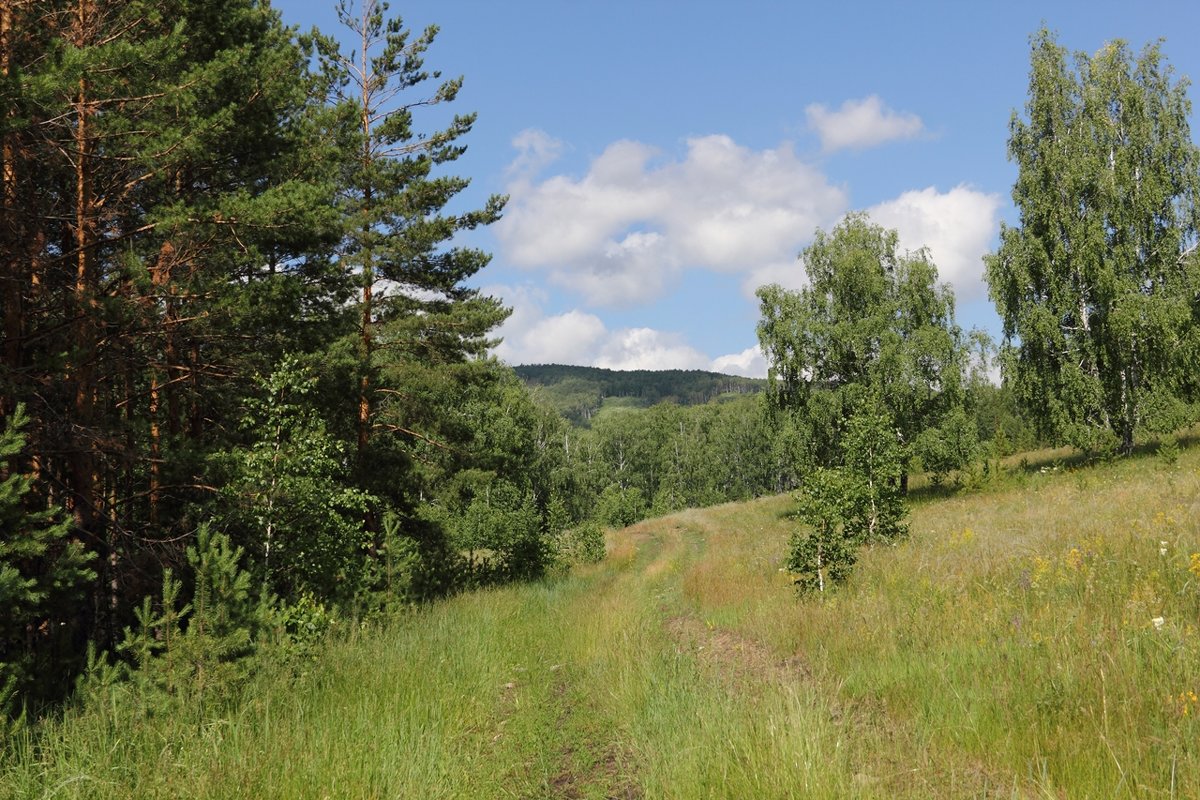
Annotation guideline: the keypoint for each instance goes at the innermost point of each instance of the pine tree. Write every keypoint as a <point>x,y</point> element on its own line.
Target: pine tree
<point>416,316</point>
<point>168,241</point>
<point>43,571</point>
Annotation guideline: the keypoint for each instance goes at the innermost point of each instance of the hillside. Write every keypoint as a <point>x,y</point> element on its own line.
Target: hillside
<point>579,392</point>
<point>1036,638</point>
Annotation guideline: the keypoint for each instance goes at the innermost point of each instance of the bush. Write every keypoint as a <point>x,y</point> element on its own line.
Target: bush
<point>824,551</point>
<point>1168,450</point>
<point>951,447</point>
<point>583,544</point>
<point>620,507</point>
<point>847,507</point>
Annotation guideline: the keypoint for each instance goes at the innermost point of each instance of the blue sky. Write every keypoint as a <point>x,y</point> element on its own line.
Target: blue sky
<point>665,158</point>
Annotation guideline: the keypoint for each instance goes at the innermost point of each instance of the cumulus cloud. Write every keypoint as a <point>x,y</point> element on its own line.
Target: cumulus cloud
<point>749,363</point>
<point>859,124</point>
<point>646,348</point>
<point>530,336</point>
<point>957,226</point>
<point>535,150</point>
<point>561,338</point>
<point>626,231</point>
<point>639,266</point>
<point>788,274</point>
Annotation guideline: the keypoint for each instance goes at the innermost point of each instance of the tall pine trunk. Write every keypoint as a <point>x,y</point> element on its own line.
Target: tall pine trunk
<point>12,286</point>
<point>84,306</point>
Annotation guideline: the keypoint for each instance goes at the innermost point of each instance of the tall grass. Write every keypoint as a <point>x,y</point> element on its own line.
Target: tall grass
<point>1040,635</point>
<point>1034,638</point>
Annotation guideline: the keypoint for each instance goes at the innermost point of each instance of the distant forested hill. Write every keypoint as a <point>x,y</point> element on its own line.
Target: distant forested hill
<point>579,392</point>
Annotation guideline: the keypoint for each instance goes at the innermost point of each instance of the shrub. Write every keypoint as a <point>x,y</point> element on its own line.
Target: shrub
<point>620,506</point>
<point>583,544</point>
<point>824,551</point>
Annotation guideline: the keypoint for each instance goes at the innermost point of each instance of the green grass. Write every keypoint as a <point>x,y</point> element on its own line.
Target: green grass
<point>1034,638</point>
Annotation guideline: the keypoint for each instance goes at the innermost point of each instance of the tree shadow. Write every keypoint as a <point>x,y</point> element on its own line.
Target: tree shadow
<point>1046,460</point>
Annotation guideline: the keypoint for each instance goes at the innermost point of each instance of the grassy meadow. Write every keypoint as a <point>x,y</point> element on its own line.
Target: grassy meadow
<point>1037,637</point>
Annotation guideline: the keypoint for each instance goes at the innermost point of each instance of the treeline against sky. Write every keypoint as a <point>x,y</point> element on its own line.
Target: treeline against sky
<point>233,317</point>
<point>245,385</point>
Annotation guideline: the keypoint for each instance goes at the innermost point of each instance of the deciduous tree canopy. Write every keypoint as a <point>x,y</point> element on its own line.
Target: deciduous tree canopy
<point>1098,283</point>
<point>873,325</point>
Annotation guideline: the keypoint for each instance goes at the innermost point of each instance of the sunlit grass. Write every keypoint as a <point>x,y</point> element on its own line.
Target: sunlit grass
<point>1036,637</point>
<point>1042,632</point>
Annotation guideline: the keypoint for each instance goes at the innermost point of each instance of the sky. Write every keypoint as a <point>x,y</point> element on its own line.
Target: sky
<point>664,159</point>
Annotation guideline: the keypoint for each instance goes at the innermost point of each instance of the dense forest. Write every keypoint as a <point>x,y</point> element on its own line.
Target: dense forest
<point>235,321</point>
<point>246,383</point>
<point>245,380</point>
<point>579,392</point>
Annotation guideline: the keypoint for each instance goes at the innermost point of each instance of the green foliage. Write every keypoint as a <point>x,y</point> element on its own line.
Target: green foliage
<point>678,672</point>
<point>674,456</point>
<point>394,567</point>
<point>1096,285</point>
<point>190,653</point>
<point>194,197</point>
<point>288,495</point>
<point>846,507</point>
<point>1168,450</point>
<point>999,420</point>
<point>951,447</point>
<point>223,612</point>
<point>619,507</point>
<point>306,620</point>
<point>500,535</point>
<point>579,392</point>
<point>824,551</point>
<point>557,517</point>
<point>43,570</point>
<point>874,459</point>
<point>158,628</point>
<point>583,544</point>
<point>417,321</point>
<point>872,323</point>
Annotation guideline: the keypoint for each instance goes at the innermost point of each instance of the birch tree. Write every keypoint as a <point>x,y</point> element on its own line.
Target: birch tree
<point>1097,283</point>
<point>874,327</point>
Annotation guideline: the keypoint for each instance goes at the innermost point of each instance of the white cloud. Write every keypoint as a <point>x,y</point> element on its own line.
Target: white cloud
<point>530,337</point>
<point>577,337</point>
<point>957,226</point>
<point>625,232</point>
<point>749,363</point>
<point>646,348</point>
<point>859,124</point>
<point>631,227</point>
<point>788,274</point>
<point>562,338</point>
<point>563,220</point>
<point>536,150</point>
<point>639,266</point>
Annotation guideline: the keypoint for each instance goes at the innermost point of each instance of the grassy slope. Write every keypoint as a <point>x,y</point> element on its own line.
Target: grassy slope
<point>1009,648</point>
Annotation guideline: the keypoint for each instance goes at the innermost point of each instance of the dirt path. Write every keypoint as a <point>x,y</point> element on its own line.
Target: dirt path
<point>741,663</point>
<point>666,596</point>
